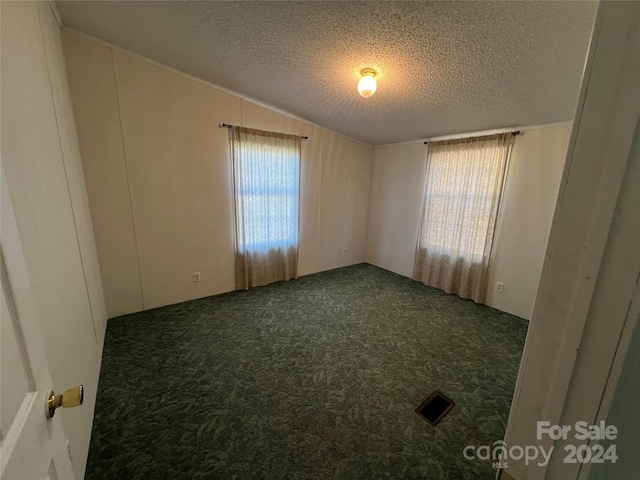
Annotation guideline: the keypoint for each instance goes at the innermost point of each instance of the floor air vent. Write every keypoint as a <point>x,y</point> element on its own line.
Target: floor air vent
<point>435,408</point>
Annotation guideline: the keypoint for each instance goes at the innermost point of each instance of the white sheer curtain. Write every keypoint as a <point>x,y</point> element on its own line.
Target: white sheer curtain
<point>266,172</point>
<point>462,194</point>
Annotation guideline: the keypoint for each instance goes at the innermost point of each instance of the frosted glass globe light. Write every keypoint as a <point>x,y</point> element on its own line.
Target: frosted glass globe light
<point>367,84</point>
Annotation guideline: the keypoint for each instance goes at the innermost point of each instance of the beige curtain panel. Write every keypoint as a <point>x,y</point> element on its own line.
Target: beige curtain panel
<point>266,173</point>
<point>462,194</point>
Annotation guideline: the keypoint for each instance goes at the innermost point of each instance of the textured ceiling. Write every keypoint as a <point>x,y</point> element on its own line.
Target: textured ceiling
<point>444,67</point>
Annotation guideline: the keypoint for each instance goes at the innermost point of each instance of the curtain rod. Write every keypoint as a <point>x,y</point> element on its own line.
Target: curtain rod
<point>231,126</point>
<point>517,132</point>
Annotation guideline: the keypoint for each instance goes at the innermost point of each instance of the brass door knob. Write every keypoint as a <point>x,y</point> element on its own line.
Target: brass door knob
<point>71,398</point>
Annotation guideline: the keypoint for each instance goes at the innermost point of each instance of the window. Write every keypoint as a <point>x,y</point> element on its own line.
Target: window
<point>268,193</point>
<point>460,205</point>
<point>266,168</point>
<point>463,188</point>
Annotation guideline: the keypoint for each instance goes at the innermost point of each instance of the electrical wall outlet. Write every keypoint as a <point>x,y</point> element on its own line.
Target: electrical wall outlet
<point>499,287</point>
<point>196,277</point>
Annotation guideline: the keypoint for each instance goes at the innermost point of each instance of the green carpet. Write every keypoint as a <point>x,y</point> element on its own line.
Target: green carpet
<point>317,378</point>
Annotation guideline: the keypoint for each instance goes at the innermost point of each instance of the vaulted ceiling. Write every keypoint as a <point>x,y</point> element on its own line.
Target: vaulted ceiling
<point>443,67</point>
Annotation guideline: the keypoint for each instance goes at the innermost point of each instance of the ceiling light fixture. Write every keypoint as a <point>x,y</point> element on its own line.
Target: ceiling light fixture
<point>367,84</point>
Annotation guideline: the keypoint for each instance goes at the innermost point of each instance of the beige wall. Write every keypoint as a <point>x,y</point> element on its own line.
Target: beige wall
<point>41,161</point>
<point>92,83</point>
<point>397,186</point>
<point>531,189</point>
<point>522,231</point>
<point>159,179</point>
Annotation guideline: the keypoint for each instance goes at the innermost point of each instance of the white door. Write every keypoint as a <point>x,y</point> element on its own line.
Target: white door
<point>42,167</point>
<point>32,447</point>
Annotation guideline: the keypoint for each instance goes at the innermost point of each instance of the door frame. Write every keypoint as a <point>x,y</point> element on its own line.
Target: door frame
<point>603,131</point>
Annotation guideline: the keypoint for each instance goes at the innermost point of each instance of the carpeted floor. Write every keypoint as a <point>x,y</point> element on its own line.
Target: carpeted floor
<point>316,378</point>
